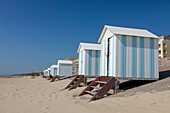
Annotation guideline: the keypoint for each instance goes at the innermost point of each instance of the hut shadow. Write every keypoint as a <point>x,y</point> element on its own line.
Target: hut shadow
<point>164,74</point>
<point>136,83</point>
<point>133,83</point>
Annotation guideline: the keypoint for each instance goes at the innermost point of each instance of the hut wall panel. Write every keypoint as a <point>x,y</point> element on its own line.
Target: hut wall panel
<point>111,54</point>
<point>114,55</point>
<point>141,54</point>
<point>53,71</point>
<point>92,62</point>
<point>129,56</point>
<point>119,54</point>
<point>147,57</point>
<point>156,58</point>
<point>102,59</point>
<point>83,62</point>
<point>65,70</point>
<point>90,65</point>
<point>138,58</point>
<point>80,63</point>
<point>86,63</point>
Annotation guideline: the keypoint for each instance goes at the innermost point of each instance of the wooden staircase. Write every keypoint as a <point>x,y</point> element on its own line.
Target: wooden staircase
<point>75,82</point>
<point>99,87</point>
<point>46,77</point>
<point>55,79</point>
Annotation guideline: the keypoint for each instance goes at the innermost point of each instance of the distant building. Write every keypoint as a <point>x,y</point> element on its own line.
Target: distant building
<point>75,66</point>
<point>164,47</point>
<point>70,58</point>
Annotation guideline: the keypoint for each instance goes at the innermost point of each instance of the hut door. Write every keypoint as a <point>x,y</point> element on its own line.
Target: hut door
<point>108,55</point>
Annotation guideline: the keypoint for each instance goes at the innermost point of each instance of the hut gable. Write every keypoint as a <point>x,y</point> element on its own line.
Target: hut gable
<point>88,46</point>
<point>125,31</point>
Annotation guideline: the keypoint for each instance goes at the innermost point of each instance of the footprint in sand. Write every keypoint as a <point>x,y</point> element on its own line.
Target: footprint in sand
<point>76,102</point>
<point>39,101</point>
<point>75,95</point>
<point>153,103</point>
<point>56,96</point>
<point>168,85</point>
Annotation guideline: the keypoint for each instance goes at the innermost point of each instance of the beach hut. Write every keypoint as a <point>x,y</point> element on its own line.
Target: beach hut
<point>45,72</point>
<point>89,59</point>
<point>129,53</point>
<point>54,70</point>
<point>48,71</point>
<point>65,68</point>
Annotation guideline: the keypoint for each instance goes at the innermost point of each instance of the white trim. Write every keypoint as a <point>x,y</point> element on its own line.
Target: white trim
<point>127,31</point>
<point>88,46</point>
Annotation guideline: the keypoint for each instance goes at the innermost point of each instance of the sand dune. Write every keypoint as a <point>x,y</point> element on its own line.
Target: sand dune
<point>26,95</point>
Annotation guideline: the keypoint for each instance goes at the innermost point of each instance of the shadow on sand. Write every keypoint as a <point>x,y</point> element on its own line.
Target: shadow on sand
<point>136,83</point>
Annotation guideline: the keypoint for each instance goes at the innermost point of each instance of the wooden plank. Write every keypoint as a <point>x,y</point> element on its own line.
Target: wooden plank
<point>94,87</point>
<point>89,88</point>
<point>76,82</point>
<point>105,88</point>
<point>90,92</point>
<point>101,82</point>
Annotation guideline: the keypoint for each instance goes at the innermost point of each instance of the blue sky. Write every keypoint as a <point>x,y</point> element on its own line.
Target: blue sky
<point>36,33</point>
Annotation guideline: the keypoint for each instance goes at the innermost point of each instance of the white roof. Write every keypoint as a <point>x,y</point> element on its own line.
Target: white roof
<point>46,70</point>
<point>127,31</point>
<point>89,46</point>
<point>54,66</point>
<point>64,62</point>
<point>49,69</point>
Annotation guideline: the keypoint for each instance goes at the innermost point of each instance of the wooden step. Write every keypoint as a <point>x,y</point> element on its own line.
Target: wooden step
<point>90,92</point>
<point>77,78</point>
<point>101,82</point>
<point>70,85</point>
<point>94,87</point>
<point>105,83</point>
<point>75,82</point>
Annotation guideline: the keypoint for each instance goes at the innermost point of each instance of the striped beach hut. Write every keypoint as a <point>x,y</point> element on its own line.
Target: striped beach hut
<point>65,68</point>
<point>54,70</point>
<point>89,59</point>
<point>129,53</point>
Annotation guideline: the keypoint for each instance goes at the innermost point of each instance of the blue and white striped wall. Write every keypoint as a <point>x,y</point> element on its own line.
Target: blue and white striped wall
<point>130,57</point>
<point>89,62</point>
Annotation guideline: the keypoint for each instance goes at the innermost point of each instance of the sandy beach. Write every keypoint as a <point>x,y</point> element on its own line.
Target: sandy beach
<point>37,95</point>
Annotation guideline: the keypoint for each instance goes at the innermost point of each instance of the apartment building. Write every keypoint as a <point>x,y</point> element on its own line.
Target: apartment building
<point>164,47</point>
<point>75,66</point>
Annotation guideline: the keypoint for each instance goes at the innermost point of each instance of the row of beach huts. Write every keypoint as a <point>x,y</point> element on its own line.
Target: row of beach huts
<point>120,53</point>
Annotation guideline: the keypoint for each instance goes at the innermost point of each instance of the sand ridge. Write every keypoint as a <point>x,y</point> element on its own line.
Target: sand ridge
<point>27,95</point>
